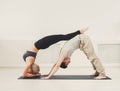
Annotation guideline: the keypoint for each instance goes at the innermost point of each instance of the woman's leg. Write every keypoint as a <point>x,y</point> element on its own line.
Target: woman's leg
<point>52,39</point>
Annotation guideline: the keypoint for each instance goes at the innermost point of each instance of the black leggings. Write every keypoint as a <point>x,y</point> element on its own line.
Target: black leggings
<point>52,39</point>
<point>48,41</point>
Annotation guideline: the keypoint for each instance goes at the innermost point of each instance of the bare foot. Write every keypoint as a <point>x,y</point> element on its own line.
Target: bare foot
<point>83,30</point>
<point>100,77</point>
<point>95,74</point>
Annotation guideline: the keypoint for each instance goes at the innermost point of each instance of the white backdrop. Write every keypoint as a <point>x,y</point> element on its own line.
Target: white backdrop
<point>24,21</point>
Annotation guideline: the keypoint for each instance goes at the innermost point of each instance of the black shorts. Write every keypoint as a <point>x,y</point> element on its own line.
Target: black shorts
<point>29,53</point>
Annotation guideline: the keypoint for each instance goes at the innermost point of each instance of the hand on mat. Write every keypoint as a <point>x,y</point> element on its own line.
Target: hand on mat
<point>46,75</point>
<point>38,74</point>
<point>28,75</point>
<point>83,30</point>
<point>45,78</point>
<point>31,75</point>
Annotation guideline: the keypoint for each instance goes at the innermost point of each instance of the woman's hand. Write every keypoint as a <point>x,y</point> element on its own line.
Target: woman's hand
<point>32,75</point>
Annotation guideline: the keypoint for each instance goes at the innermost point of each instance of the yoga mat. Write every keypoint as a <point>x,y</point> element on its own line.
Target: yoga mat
<point>36,77</point>
<point>68,77</point>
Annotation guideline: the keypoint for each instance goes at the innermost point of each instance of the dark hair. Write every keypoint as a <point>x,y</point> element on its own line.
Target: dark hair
<point>63,65</point>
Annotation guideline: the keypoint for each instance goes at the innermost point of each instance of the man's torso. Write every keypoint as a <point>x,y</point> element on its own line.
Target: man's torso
<point>71,45</point>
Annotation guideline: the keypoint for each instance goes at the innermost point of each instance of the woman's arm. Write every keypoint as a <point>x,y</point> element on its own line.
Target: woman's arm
<point>26,70</point>
<point>28,67</point>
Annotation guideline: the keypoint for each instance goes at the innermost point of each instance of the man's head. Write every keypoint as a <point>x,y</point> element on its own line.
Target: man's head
<point>65,63</point>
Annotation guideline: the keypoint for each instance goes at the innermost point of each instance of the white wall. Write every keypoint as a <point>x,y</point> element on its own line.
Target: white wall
<point>29,20</point>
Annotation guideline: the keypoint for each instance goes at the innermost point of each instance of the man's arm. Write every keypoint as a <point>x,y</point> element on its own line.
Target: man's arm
<point>57,65</point>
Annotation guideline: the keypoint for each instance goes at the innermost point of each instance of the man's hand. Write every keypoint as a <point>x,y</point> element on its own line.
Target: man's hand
<point>45,78</point>
<point>46,75</point>
<point>83,30</point>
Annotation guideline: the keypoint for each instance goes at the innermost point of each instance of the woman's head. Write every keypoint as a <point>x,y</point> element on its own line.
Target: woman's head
<point>34,69</point>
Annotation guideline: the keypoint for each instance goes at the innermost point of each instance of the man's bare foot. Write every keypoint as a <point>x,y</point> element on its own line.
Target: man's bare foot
<point>100,77</point>
<point>95,74</point>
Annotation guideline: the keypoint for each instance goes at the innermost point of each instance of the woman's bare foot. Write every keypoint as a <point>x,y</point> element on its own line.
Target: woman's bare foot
<point>83,30</point>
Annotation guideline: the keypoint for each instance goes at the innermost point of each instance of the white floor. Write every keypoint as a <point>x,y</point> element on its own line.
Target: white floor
<point>9,81</point>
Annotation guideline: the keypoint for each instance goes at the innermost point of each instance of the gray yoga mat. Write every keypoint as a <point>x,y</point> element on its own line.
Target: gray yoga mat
<point>68,77</point>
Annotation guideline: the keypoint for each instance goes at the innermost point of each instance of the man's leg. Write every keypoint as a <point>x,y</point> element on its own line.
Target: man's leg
<point>87,47</point>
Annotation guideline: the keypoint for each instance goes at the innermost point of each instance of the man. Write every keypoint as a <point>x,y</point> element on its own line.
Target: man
<point>84,43</point>
<point>30,55</point>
